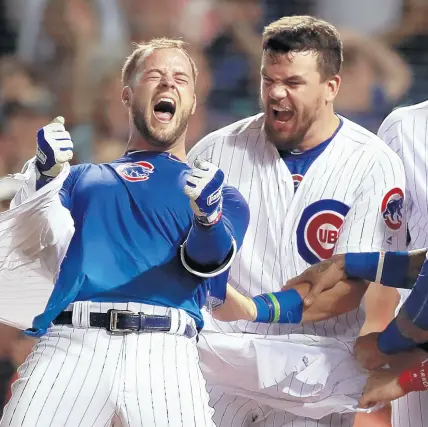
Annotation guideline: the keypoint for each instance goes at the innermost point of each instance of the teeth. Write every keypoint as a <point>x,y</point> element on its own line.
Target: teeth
<point>276,108</point>
<point>171,101</point>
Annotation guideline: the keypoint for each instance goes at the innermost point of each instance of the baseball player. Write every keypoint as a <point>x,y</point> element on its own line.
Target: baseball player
<point>117,337</point>
<point>316,184</point>
<point>405,131</point>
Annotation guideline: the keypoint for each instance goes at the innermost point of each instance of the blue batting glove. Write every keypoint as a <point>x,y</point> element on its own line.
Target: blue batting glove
<point>54,148</point>
<point>204,188</point>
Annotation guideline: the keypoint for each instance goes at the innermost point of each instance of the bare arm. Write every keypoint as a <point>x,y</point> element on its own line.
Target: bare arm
<point>344,297</point>
<point>326,274</point>
<point>393,71</point>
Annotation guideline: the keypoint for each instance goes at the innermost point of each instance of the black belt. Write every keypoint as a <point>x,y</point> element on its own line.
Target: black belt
<point>126,321</point>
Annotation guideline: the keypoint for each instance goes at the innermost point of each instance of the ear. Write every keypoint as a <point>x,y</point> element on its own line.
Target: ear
<point>333,86</point>
<point>194,105</point>
<point>126,96</point>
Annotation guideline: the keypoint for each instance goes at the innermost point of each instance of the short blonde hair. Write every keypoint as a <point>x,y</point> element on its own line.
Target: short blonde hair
<point>145,48</point>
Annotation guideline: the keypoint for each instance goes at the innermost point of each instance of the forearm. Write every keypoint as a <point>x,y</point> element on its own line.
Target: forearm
<point>396,269</point>
<point>208,245</point>
<point>410,327</point>
<point>287,306</point>
<point>275,307</point>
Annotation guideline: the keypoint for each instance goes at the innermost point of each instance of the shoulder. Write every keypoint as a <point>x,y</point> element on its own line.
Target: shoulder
<point>400,115</point>
<point>362,142</point>
<point>235,133</point>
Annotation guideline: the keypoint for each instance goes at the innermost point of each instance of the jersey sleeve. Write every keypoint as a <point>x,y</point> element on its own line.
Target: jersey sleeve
<point>67,188</point>
<point>203,150</point>
<point>376,220</point>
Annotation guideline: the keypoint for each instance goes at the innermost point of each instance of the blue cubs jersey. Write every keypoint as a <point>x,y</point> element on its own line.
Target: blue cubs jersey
<point>131,217</point>
<point>298,162</point>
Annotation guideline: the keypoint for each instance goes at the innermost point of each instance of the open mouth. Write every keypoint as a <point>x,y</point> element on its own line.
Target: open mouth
<point>282,114</point>
<point>164,109</point>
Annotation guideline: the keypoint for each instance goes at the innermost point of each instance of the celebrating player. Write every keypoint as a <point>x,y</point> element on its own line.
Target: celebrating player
<point>141,260</point>
<point>316,184</point>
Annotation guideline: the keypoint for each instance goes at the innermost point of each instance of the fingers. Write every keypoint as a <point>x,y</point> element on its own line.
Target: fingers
<point>313,294</point>
<point>366,400</point>
<point>58,119</point>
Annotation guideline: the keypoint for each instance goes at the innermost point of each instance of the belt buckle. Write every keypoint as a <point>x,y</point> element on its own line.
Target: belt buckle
<point>112,320</point>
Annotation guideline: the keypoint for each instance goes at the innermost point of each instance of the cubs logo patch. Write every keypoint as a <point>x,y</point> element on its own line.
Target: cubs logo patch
<point>297,179</point>
<point>392,208</point>
<point>319,228</point>
<point>134,172</point>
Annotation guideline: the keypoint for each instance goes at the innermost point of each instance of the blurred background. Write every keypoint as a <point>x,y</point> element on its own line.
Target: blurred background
<point>63,57</point>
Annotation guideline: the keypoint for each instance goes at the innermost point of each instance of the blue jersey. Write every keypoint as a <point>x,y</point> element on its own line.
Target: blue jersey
<point>298,162</point>
<point>131,217</point>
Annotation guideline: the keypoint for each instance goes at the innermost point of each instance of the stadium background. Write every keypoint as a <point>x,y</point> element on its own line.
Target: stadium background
<point>63,57</point>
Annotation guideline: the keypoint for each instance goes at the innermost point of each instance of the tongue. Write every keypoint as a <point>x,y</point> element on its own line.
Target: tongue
<point>163,116</point>
<point>284,116</point>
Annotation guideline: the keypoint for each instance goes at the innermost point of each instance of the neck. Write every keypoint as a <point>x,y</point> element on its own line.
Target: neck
<point>321,130</point>
<point>138,143</point>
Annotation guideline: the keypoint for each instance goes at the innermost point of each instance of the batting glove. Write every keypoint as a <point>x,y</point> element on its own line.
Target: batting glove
<point>54,148</point>
<point>204,189</point>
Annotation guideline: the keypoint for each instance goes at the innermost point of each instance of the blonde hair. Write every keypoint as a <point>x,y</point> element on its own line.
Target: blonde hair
<point>143,49</point>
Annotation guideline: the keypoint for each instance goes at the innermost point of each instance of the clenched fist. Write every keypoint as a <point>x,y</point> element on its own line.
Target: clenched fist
<point>204,188</point>
<point>54,148</point>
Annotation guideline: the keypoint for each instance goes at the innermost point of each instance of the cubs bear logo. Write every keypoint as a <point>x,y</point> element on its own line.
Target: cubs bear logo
<point>319,228</point>
<point>392,208</point>
<point>134,172</point>
<point>297,179</point>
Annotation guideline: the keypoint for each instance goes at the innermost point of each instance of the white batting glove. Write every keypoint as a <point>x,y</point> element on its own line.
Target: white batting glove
<point>204,189</point>
<point>54,148</point>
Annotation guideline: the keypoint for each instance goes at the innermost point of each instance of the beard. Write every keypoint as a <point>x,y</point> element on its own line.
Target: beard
<point>291,141</point>
<point>160,137</point>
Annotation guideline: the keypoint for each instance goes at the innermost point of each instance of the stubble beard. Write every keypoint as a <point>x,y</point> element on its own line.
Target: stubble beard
<point>159,138</point>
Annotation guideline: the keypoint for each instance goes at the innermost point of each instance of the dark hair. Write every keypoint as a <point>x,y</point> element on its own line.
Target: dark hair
<point>306,33</point>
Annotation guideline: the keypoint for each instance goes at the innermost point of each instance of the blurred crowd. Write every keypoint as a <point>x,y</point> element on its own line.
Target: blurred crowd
<point>64,57</point>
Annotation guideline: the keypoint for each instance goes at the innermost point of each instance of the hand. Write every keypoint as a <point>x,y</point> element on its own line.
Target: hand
<point>381,387</point>
<point>367,352</point>
<point>322,276</point>
<point>204,189</point>
<point>54,148</point>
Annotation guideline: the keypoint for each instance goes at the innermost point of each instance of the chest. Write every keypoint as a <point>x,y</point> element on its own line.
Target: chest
<point>138,190</point>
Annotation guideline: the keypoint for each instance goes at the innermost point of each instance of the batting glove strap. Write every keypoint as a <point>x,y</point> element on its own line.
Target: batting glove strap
<point>209,220</point>
<point>207,271</point>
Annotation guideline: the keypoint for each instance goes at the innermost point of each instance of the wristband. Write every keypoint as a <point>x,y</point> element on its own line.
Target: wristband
<point>391,340</point>
<point>388,268</point>
<point>279,307</point>
<point>414,379</point>
<point>362,265</point>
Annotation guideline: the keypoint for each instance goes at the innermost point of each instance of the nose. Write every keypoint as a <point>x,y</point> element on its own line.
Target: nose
<point>278,92</point>
<point>167,81</point>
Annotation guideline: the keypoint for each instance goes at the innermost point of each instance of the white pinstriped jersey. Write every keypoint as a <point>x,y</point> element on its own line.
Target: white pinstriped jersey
<point>348,201</point>
<point>405,130</point>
